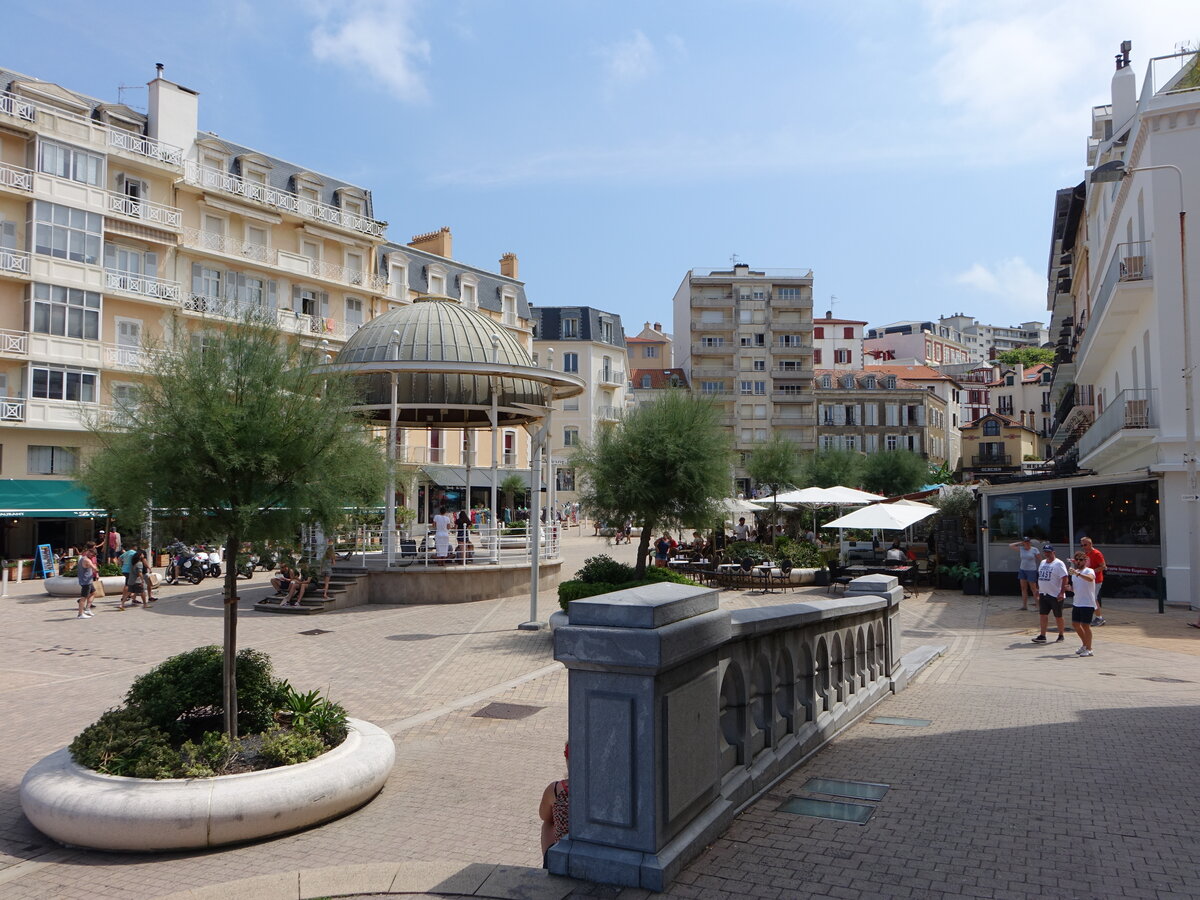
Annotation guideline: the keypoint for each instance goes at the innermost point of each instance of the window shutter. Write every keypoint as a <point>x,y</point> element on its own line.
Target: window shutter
<point>297,303</point>
<point>110,256</point>
<point>272,290</point>
<point>150,264</point>
<point>8,235</point>
<point>196,280</point>
<point>839,415</point>
<point>229,285</point>
<point>239,280</point>
<point>324,298</point>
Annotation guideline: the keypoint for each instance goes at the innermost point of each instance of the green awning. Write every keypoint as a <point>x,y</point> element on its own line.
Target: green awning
<point>31,499</point>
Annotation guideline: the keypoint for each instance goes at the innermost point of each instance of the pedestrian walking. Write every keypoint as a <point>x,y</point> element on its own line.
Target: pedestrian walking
<point>1052,590</point>
<point>126,563</point>
<point>1027,569</point>
<point>1083,580</point>
<point>114,543</point>
<point>86,570</point>
<point>1095,560</point>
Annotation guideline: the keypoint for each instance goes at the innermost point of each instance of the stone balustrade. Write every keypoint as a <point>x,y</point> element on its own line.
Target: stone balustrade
<point>681,713</point>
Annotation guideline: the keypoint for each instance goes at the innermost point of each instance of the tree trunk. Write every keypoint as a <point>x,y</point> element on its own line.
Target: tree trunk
<point>229,669</point>
<point>644,547</point>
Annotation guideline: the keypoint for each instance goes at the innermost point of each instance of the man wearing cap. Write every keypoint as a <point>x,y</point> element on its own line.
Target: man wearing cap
<point>1052,590</point>
<point>1027,569</point>
<point>1095,561</point>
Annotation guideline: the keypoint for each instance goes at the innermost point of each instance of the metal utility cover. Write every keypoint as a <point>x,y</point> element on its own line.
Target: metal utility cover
<point>901,720</point>
<point>856,790</point>
<point>506,711</point>
<point>859,813</point>
<point>316,631</point>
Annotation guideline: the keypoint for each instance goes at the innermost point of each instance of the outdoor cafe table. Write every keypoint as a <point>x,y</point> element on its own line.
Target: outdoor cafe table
<point>899,571</point>
<point>683,561</point>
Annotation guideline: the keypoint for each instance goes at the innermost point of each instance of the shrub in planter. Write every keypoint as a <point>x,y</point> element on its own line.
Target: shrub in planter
<point>604,569</point>
<point>126,742</point>
<point>287,748</point>
<point>578,589</point>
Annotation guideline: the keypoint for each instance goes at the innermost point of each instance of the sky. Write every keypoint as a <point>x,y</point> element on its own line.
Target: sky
<point>907,151</point>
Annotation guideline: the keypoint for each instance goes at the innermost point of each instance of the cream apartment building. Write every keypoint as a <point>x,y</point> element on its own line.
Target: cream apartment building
<point>590,343</point>
<point>119,228</point>
<point>744,337</point>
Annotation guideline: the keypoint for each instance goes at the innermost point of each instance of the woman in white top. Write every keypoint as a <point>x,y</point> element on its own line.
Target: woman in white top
<point>1083,581</point>
<point>441,537</point>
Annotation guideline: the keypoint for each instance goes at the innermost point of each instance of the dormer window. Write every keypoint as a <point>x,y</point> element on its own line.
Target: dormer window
<point>469,290</point>
<point>869,382</point>
<point>991,428</point>
<point>646,381</point>
<point>889,382</point>
<point>848,381</point>
<point>826,381</point>
<point>436,276</point>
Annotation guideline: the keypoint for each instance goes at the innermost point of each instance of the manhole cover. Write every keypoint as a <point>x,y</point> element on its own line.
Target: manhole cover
<point>828,809</point>
<point>506,711</point>
<point>901,720</point>
<point>315,631</point>
<point>1162,679</point>
<point>856,790</point>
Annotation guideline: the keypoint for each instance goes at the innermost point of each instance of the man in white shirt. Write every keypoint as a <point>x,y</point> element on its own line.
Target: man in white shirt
<point>1083,580</point>
<point>1052,590</point>
<point>740,531</point>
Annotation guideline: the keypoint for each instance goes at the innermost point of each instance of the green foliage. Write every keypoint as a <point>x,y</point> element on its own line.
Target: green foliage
<point>739,550</point>
<point>656,574</point>
<point>774,463</point>
<point>286,747</point>
<point>940,474</point>
<point>958,502</point>
<point>961,572</point>
<point>830,468</point>
<point>604,569</point>
<point>665,461</point>
<point>213,755</point>
<point>315,714</point>
<point>1026,356</point>
<point>578,590</point>
<point>271,442</point>
<point>189,685</point>
<point>802,554</point>
<point>894,472</point>
<point>126,742</point>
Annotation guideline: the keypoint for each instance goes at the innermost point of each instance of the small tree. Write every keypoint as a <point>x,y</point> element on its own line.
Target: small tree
<point>239,429</point>
<point>510,486</point>
<point>1026,356</point>
<point>894,472</point>
<point>830,468</point>
<point>774,463</point>
<point>665,461</point>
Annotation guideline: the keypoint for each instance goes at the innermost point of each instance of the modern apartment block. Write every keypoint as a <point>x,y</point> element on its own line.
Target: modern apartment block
<point>1128,342</point>
<point>915,343</point>
<point>590,343</point>
<point>838,343</point>
<point>873,411</point>
<point>749,345</point>
<point>119,228</point>
<point>984,342</point>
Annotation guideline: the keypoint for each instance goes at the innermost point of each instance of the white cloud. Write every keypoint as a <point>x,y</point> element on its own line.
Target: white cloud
<point>376,37</point>
<point>1019,288</point>
<point>629,61</point>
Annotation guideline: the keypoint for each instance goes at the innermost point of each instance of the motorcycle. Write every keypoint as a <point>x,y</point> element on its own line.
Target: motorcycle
<point>246,564</point>
<point>214,563</point>
<point>191,569</point>
<point>269,560</point>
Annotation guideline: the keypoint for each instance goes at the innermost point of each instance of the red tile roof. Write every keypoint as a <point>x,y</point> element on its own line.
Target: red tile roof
<point>659,378</point>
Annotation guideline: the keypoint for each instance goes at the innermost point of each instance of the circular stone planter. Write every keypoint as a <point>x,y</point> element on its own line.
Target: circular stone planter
<point>79,807</point>
<point>62,586</point>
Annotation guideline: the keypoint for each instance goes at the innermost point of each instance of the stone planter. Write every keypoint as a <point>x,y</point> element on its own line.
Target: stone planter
<point>83,808</point>
<point>68,586</point>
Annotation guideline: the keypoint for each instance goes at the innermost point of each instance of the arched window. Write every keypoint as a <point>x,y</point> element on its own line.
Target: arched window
<point>991,428</point>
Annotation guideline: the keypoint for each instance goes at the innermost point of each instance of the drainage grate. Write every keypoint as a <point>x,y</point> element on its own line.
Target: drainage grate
<point>316,631</point>
<point>856,790</point>
<point>858,813</point>
<point>506,711</point>
<point>1162,679</point>
<point>901,720</point>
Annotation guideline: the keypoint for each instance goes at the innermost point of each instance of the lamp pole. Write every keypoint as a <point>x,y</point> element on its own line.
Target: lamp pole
<point>389,523</point>
<point>1114,171</point>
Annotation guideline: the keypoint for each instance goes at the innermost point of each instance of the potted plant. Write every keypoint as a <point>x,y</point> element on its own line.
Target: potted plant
<point>968,575</point>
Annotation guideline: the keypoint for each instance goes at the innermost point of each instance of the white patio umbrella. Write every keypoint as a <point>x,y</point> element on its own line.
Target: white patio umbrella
<point>887,516</point>
<point>737,506</point>
<point>816,497</point>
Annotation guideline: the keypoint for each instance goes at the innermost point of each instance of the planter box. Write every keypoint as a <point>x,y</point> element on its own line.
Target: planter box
<point>83,808</point>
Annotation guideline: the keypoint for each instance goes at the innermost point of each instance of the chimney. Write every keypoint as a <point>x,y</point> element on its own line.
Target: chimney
<point>509,265</point>
<point>173,112</point>
<point>658,327</point>
<point>1124,89</point>
<point>829,313</point>
<point>741,269</point>
<point>440,242</point>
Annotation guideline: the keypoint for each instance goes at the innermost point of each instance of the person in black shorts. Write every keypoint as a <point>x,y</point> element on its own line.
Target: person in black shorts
<point>1052,590</point>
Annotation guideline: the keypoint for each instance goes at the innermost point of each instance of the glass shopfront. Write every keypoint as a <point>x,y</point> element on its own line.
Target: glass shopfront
<point>1122,519</point>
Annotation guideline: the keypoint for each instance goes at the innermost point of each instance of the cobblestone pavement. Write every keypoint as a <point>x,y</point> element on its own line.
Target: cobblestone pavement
<point>1041,775</point>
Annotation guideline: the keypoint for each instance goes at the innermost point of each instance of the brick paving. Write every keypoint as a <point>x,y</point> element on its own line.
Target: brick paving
<point>1042,775</point>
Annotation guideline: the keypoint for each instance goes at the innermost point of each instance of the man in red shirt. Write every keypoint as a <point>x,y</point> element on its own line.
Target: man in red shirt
<point>1096,563</point>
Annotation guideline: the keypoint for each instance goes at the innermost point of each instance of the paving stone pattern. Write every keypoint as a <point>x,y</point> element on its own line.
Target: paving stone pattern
<point>1042,775</point>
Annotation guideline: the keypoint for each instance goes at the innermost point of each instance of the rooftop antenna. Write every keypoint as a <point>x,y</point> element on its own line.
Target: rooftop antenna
<point>832,301</point>
<point>122,88</point>
<point>734,259</point>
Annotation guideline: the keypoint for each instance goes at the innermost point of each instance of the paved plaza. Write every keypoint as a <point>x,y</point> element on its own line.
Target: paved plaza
<point>1040,775</point>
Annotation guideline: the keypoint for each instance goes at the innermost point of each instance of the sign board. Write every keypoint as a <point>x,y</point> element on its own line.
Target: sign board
<point>47,564</point>
<point>1189,498</point>
<point>1129,570</point>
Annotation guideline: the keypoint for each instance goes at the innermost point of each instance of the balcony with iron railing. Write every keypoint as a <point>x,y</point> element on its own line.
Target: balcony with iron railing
<point>142,285</point>
<point>608,413</point>
<point>14,343</point>
<point>80,129</point>
<point>215,179</point>
<point>612,377</point>
<point>12,409</point>
<point>290,321</point>
<point>143,211</point>
<point>1130,266</point>
<point>15,263</point>
<point>213,242</point>
<point>15,178</point>
<point>1132,409</point>
<point>991,459</point>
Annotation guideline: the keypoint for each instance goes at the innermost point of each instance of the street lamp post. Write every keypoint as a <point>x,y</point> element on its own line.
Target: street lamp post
<point>1115,170</point>
<point>389,522</point>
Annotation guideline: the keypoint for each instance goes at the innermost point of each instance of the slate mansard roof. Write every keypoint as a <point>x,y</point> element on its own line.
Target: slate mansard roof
<point>548,324</point>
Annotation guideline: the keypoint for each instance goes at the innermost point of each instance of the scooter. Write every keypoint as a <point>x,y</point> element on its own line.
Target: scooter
<point>245,565</point>
<point>214,563</point>
<point>191,569</point>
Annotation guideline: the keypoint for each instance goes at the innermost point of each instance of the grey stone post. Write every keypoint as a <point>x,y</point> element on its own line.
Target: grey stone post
<point>643,686</point>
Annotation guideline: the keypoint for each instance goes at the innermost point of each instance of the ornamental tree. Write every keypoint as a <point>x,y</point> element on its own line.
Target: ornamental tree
<point>666,461</point>
<point>242,429</point>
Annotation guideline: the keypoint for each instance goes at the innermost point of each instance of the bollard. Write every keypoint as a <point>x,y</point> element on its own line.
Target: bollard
<point>18,570</point>
<point>4,583</point>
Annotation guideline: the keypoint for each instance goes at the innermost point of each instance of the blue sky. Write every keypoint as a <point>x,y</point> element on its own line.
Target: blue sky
<point>907,151</point>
